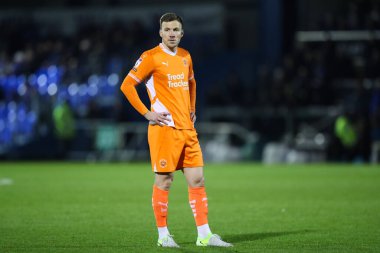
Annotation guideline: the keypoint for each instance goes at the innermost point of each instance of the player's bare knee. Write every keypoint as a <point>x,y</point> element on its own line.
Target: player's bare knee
<point>197,182</point>
<point>164,185</point>
<point>164,181</point>
<point>167,184</point>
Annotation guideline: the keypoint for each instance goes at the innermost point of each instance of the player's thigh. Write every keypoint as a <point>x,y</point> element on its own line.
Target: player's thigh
<point>192,153</point>
<point>165,148</point>
<point>156,135</point>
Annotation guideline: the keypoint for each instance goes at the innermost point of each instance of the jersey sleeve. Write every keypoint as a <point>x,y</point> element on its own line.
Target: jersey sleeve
<point>142,69</point>
<point>192,86</point>
<point>191,71</point>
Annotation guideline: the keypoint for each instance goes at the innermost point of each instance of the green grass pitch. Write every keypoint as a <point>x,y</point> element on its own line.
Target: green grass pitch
<point>79,207</point>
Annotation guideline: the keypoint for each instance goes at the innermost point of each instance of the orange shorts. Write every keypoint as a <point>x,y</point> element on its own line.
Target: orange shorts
<point>172,149</point>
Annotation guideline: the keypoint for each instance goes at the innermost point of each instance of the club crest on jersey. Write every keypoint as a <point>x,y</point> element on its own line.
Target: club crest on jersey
<point>163,163</point>
<point>184,62</point>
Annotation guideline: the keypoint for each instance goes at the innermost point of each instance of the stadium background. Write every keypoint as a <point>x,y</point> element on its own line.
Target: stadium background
<point>281,85</point>
<point>274,78</point>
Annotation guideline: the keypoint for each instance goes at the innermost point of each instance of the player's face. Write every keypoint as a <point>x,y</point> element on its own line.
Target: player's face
<point>171,34</point>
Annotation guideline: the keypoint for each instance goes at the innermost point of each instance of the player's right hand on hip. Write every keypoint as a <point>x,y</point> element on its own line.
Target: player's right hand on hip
<point>155,118</point>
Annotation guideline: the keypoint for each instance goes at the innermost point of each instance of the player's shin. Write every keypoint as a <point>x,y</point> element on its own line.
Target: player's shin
<point>199,206</point>
<point>160,209</point>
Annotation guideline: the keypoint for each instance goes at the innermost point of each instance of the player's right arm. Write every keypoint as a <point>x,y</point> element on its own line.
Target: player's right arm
<point>142,69</point>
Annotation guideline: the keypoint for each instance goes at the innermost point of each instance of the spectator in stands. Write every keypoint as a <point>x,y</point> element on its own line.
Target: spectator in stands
<point>64,124</point>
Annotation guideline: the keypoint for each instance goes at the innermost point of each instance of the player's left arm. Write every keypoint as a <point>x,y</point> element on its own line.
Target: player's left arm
<point>192,91</point>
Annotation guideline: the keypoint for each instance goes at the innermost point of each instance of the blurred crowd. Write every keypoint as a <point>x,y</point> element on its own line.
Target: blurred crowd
<point>309,72</point>
<point>42,68</point>
<point>327,73</point>
<point>355,15</point>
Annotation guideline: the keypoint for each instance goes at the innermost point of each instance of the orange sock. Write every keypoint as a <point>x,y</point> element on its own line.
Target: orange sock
<point>160,205</point>
<point>198,203</point>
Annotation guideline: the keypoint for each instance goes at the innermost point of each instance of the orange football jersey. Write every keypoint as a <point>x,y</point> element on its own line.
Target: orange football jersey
<point>169,78</point>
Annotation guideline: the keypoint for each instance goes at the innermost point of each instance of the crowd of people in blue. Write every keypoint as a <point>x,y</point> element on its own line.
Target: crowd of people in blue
<point>41,68</point>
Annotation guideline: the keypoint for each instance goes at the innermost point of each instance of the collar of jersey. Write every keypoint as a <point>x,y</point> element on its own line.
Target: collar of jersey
<point>167,50</point>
